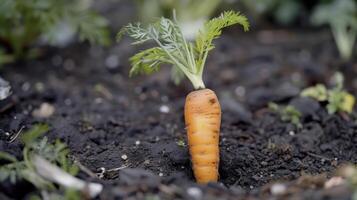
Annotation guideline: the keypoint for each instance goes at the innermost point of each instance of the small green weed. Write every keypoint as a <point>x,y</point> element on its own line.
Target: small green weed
<point>287,113</point>
<point>338,100</point>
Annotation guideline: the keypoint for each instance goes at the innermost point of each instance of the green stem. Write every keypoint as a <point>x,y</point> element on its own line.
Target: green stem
<point>195,79</point>
<point>190,58</point>
<point>197,82</point>
<point>200,71</point>
<point>344,40</point>
<point>27,159</point>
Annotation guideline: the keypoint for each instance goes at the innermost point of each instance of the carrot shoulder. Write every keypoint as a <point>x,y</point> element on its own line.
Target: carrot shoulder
<point>203,120</point>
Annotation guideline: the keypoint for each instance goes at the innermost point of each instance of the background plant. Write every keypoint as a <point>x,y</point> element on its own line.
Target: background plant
<point>283,11</point>
<point>341,16</point>
<point>287,113</point>
<point>25,22</point>
<point>57,153</point>
<point>190,14</point>
<point>337,98</point>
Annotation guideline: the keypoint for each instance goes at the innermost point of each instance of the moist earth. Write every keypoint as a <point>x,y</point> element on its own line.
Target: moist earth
<point>134,128</point>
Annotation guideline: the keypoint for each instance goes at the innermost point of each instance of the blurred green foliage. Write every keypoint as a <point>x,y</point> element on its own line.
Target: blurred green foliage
<point>191,14</point>
<point>25,22</point>
<point>185,9</point>
<point>341,16</point>
<point>283,11</point>
<point>57,153</point>
<point>287,113</point>
<point>338,99</point>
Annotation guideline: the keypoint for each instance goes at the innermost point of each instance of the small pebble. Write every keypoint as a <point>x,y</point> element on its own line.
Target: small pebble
<point>44,111</point>
<point>124,157</point>
<point>164,99</point>
<point>194,192</point>
<point>40,87</point>
<point>334,181</point>
<point>154,93</point>
<point>278,189</point>
<point>161,174</point>
<point>137,142</point>
<point>240,91</point>
<point>292,133</point>
<point>26,86</point>
<point>5,89</point>
<point>264,163</point>
<point>112,61</point>
<point>68,102</point>
<point>164,109</point>
<point>98,100</point>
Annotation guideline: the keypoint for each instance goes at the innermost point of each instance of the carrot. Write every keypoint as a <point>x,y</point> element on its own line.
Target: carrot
<point>203,120</point>
<point>202,108</point>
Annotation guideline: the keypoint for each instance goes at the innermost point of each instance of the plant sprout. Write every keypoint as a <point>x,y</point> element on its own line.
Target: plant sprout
<point>337,98</point>
<point>341,15</point>
<point>172,47</point>
<point>287,113</point>
<point>25,22</point>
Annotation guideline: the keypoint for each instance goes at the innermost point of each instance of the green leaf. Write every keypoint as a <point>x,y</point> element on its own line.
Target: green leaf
<point>172,47</point>
<point>7,156</point>
<point>177,75</point>
<point>318,92</point>
<point>212,30</point>
<point>71,194</point>
<point>36,180</point>
<point>287,11</point>
<point>35,132</point>
<point>287,113</point>
<point>23,22</point>
<point>93,28</point>
<point>138,33</point>
<point>342,18</point>
<point>339,100</point>
<point>148,61</point>
<point>11,171</point>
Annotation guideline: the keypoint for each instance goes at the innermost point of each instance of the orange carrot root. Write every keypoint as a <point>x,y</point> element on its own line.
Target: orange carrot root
<point>203,121</point>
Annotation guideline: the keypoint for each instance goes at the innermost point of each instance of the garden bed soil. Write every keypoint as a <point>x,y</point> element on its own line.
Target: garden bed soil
<point>136,124</point>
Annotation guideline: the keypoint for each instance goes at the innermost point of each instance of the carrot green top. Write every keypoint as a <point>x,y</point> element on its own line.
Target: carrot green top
<point>187,58</point>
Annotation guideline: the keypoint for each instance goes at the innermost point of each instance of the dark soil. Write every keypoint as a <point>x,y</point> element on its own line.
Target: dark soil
<point>104,116</point>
